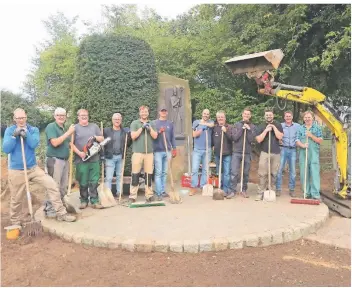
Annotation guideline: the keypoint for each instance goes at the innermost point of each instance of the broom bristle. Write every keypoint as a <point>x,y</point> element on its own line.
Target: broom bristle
<point>305,201</point>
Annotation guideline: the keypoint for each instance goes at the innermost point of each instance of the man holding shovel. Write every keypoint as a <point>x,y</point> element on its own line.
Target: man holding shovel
<point>114,151</point>
<point>142,133</point>
<point>199,152</point>
<point>220,129</point>
<point>309,138</point>
<point>163,125</point>
<point>242,134</point>
<point>276,131</point>
<point>57,155</point>
<point>16,177</point>
<point>87,172</point>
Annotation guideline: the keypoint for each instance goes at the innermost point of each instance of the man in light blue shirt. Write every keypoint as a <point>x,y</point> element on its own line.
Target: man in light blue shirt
<point>199,150</point>
<point>288,153</point>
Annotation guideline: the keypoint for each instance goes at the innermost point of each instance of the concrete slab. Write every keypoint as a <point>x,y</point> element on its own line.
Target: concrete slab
<point>198,224</point>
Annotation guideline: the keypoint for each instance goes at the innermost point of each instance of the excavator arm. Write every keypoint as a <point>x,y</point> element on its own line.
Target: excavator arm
<point>258,66</point>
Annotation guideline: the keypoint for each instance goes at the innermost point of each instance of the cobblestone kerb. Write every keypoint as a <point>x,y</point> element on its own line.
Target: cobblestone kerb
<point>117,227</point>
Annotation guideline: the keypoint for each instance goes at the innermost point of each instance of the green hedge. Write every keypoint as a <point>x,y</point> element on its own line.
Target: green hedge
<point>115,74</point>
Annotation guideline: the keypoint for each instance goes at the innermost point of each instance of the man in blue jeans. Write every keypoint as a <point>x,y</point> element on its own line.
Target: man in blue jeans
<point>162,126</point>
<point>288,153</point>
<point>220,128</point>
<point>199,149</point>
<point>114,151</point>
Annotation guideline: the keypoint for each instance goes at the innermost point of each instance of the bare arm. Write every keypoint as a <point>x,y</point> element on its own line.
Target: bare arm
<point>99,138</point>
<point>136,134</point>
<point>260,137</point>
<point>277,133</point>
<point>153,133</point>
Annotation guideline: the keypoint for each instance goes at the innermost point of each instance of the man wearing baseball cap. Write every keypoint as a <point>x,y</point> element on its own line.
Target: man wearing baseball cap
<point>162,126</point>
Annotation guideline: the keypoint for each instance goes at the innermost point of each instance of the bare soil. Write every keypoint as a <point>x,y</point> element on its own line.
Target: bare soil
<point>49,261</point>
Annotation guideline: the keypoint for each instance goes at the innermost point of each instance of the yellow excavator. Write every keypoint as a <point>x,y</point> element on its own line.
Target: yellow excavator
<point>259,67</point>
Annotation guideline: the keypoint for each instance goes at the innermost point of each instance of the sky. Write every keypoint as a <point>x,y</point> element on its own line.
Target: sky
<point>21,29</point>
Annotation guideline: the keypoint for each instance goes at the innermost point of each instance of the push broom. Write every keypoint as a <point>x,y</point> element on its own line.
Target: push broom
<point>34,227</point>
<point>208,189</point>
<point>123,169</point>
<point>146,204</point>
<point>304,200</point>
<point>218,193</point>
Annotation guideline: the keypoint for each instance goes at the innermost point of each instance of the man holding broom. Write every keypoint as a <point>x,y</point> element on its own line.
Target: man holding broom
<point>220,129</point>
<point>57,154</point>
<point>242,134</point>
<point>143,132</point>
<point>275,128</point>
<point>163,125</point>
<point>309,138</point>
<point>16,177</point>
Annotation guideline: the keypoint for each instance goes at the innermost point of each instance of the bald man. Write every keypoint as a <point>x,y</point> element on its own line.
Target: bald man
<point>199,150</point>
<point>12,145</point>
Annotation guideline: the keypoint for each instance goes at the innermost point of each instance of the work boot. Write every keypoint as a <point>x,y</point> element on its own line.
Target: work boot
<point>165,195</point>
<point>83,205</point>
<point>230,196</point>
<point>150,199</point>
<point>97,206</point>
<point>278,193</point>
<point>193,191</point>
<point>67,218</point>
<point>159,198</point>
<point>292,193</point>
<point>244,194</point>
<point>131,200</point>
<point>50,215</point>
<point>259,197</point>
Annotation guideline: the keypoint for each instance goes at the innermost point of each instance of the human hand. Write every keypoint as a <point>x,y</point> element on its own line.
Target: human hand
<point>174,153</point>
<point>223,129</point>
<point>246,126</point>
<point>146,126</point>
<point>19,131</point>
<point>269,128</point>
<point>305,145</point>
<point>81,154</point>
<point>309,134</point>
<point>71,129</point>
<point>161,130</point>
<point>205,128</point>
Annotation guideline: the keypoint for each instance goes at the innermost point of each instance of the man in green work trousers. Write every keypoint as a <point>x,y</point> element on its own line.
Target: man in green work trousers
<point>57,154</point>
<point>309,136</point>
<point>87,172</point>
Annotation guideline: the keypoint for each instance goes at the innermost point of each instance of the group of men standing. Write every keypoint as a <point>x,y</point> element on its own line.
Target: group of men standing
<point>284,137</point>
<point>153,145</point>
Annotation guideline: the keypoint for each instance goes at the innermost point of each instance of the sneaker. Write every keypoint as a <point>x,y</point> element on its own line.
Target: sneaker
<point>83,205</point>
<point>278,193</point>
<point>230,196</point>
<point>259,197</point>
<point>159,198</point>
<point>150,199</point>
<point>66,218</point>
<point>131,200</point>
<point>292,193</point>
<point>164,194</point>
<point>193,191</point>
<point>97,206</point>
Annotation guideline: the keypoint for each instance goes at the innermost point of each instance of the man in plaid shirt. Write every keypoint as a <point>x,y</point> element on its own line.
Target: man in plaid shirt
<point>310,136</point>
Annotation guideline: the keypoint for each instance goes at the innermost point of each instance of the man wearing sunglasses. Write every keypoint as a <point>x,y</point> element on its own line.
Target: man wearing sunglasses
<point>57,154</point>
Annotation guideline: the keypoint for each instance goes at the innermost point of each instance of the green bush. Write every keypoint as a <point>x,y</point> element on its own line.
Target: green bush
<point>115,74</point>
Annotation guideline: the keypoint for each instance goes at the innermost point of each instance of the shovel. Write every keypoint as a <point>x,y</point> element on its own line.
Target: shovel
<point>269,195</point>
<point>70,203</point>
<point>208,189</point>
<point>105,195</point>
<point>244,194</point>
<point>219,194</point>
<point>123,169</point>
<point>174,196</point>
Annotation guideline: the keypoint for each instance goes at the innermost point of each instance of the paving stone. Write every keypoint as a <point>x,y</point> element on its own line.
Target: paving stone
<point>144,245</point>
<point>101,241</point>
<point>235,243</point>
<point>45,229</point>
<point>77,238</point>
<point>220,244</point>
<point>67,236</point>
<point>287,235</point>
<point>251,240</point>
<point>114,243</point>
<point>88,239</point>
<point>305,229</point>
<point>161,246</point>
<point>176,246</point>
<point>51,230</point>
<point>277,237</point>
<point>59,232</point>
<point>129,245</point>
<point>296,233</point>
<point>206,245</point>
<point>191,246</point>
<point>265,239</point>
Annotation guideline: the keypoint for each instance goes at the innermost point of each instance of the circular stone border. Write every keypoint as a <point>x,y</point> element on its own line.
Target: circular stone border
<point>262,239</point>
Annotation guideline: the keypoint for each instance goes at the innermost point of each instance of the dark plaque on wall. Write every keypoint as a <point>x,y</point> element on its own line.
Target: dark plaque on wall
<point>174,101</point>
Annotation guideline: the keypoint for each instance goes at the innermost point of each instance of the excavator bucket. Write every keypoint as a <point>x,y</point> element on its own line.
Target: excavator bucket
<point>256,62</point>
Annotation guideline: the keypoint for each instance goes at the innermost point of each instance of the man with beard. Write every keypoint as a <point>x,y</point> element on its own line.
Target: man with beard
<point>199,151</point>
<point>237,136</point>
<point>140,129</point>
<point>275,128</point>
<point>87,172</point>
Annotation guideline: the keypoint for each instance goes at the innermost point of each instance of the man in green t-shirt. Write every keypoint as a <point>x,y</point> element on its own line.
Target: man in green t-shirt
<point>142,134</point>
<point>57,154</point>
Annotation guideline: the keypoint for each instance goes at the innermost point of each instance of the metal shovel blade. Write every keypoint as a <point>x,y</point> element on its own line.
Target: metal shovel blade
<point>208,190</point>
<point>269,196</point>
<point>256,62</point>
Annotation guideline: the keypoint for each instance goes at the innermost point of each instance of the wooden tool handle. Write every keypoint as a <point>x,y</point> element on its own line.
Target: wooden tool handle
<point>220,165</point>
<point>305,170</point>
<point>71,168</point>
<point>269,160</point>
<point>242,164</point>
<point>168,162</point>
<point>102,162</point>
<point>123,168</point>
<point>207,154</point>
<point>30,207</point>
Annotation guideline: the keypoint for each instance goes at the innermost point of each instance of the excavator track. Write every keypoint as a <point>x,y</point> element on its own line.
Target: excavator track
<point>341,206</point>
